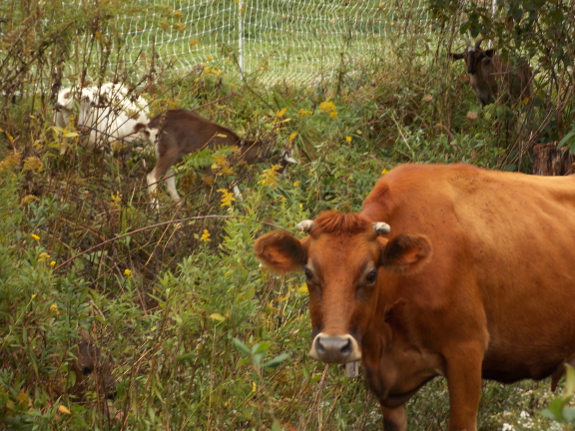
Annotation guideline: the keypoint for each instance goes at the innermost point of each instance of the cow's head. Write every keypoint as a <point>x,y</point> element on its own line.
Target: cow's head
<point>345,258</point>
<point>475,57</point>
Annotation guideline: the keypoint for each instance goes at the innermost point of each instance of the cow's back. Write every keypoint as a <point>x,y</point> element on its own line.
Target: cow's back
<point>503,254</point>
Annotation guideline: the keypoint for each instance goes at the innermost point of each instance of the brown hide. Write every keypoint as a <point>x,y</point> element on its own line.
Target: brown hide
<point>89,362</point>
<point>178,132</point>
<point>182,132</point>
<point>476,280</point>
<point>491,77</point>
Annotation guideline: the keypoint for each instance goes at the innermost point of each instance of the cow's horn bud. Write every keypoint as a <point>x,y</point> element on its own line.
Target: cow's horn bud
<point>305,226</point>
<point>381,228</point>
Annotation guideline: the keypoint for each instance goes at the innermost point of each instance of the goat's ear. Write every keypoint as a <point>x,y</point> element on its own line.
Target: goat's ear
<point>456,56</point>
<point>407,253</point>
<point>490,53</point>
<point>281,252</point>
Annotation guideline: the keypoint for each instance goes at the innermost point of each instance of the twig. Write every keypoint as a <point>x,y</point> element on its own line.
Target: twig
<point>142,230</point>
<point>319,393</point>
<point>215,101</point>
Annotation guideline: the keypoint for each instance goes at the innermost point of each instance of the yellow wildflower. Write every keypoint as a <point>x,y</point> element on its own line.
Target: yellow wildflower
<point>116,198</point>
<point>29,198</point>
<point>33,296</point>
<point>348,138</point>
<point>64,410</point>
<point>227,198</point>
<point>359,132</point>
<point>36,237</point>
<point>296,184</point>
<point>270,177</point>
<point>301,206</point>
<point>254,387</point>
<point>54,309</point>
<point>209,58</point>
<point>384,172</point>
<point>53,263</point>
<point>292,137</point>
<point>206,236</point>
<point>333,114</point>
<point>303,288</point>
<point>281,112</point>
<point>303,113</point>
<point>11,160</point>
<point>127,272</point>
<point>327,106</point>
<point>43,257</point>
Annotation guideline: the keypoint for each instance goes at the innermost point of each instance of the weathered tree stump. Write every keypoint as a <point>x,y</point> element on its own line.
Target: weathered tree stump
<point>550,161</point>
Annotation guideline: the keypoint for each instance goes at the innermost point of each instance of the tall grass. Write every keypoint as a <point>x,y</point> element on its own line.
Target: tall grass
<point>195,333</point>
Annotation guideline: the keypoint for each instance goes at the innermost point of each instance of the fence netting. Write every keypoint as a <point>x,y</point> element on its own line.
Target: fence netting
<point>293,40</point>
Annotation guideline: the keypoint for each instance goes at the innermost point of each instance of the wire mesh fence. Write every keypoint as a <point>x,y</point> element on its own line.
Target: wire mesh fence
<point>293,40</point>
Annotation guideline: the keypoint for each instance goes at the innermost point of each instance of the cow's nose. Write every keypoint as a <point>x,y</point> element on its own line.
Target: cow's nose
<point>337,349</point>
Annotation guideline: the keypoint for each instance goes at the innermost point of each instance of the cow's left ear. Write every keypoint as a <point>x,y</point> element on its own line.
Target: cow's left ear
<point>407,253</point>
<point>281,252</point>
<point>490,53</point>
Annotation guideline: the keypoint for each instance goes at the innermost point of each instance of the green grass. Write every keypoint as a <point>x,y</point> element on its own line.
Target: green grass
<point>195,332</point>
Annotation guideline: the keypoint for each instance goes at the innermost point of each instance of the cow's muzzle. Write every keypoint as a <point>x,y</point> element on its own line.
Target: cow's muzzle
<point>335,349</point>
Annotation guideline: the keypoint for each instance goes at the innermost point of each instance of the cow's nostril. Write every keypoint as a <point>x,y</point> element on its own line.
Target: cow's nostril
<point>346,349</point>
<point>319,346</point>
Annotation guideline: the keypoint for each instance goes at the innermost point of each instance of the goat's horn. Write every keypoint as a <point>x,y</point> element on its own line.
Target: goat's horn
<point>478,43</point>
<point>381,228</point>
<point>467,42</point>
<point>305,226</point>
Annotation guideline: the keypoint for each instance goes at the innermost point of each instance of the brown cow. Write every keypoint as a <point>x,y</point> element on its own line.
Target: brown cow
<point>476,280</point>
<point>178,132</point>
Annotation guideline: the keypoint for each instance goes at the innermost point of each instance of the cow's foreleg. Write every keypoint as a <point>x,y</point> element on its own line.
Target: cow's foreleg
<point>463,372</point>
<point>394,419</point>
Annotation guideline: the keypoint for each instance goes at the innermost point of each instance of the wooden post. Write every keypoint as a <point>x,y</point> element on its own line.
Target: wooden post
<point>550,161</point>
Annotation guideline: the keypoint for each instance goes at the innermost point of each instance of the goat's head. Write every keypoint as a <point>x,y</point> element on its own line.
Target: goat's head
<point>146,133</point>
<point>89,361</point>
<point>475,57</point>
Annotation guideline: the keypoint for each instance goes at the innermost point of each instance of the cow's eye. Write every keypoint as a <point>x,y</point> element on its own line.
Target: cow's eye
<point>308,274</point>
<point>371,276</point>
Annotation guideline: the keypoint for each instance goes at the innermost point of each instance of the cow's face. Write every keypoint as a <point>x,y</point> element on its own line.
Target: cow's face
<point>344,259</point>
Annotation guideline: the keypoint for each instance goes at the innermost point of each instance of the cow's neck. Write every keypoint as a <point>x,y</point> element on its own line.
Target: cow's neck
<point>396,364</point>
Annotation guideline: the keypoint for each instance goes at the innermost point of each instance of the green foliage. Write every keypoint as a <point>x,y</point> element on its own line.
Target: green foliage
<point>197,334</point>
<point>558,409</point>
<point>538,31</point>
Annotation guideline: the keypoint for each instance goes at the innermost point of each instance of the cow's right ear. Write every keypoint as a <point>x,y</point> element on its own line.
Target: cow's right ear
<point>456,56</point>
<point>281,252</point>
